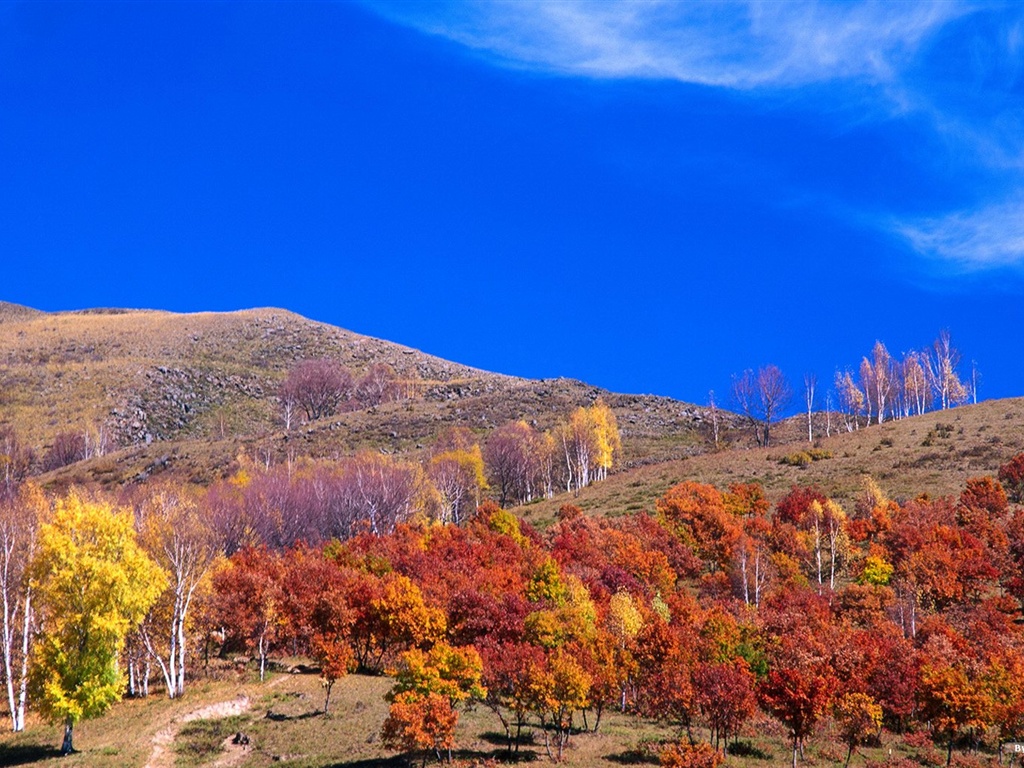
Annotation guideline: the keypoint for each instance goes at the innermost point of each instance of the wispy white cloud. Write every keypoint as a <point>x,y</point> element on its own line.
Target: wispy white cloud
<point>730,44</point>
<point>753,45</point>
<point>990,236</point>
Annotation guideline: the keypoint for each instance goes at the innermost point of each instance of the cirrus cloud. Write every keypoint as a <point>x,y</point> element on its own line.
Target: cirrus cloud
<point>741,45</point>
<point>990,236</point>
<point>973,113</point>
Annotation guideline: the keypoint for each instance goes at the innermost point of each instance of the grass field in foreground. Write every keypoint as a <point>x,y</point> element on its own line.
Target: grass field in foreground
<point>285,726</point>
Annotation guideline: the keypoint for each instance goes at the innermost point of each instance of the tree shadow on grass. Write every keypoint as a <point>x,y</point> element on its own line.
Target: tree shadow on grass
<point>502,755</point>
<point>459,755</point>
<point>634,757</point>
<point>398,761</point>
<point>26,754</point>
<point>280,717</point>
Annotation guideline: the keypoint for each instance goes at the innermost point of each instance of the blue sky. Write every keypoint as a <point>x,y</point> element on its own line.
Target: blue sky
<point>647,196</point>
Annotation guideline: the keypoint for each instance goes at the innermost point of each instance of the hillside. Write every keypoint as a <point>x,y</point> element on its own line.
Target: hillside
<point>190,391</point>
<point>934,453</point>
<point>193,398</point>
<point>186,394</point>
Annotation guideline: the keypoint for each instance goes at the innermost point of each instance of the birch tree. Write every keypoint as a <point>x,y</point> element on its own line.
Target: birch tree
<point>458,475</point>
<point>915,383</point>
<point>943,360</point>
<point>851,399</point>
<point>713,412</point>
<point>810,382</point>
<point>20,517</point>
<point>880,368</point>
<point>174,532</point>
<point>590,443</point>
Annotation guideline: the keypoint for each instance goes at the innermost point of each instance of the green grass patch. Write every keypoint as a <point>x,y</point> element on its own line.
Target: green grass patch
<point>200,740</point>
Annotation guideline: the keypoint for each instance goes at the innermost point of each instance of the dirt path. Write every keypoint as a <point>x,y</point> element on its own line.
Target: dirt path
<point>163,757</point>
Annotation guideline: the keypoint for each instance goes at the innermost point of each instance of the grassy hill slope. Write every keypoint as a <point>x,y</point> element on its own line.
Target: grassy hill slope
<point>934,453</point>
<point>190,391</point>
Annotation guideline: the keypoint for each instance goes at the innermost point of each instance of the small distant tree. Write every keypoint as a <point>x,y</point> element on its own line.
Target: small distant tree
<point>810,382</point>
<point>713,412</point>
<point>318,387</point>
<point>877,377</point>
<point>67,448</point>
<point>386,491</point>
<point>851,399</point>
<point>458,475</point>
<point>513,463</point>
<point>916,392</point>
<point>378,385</point>
<point>943,360</point>
<point>288,406</point>
<point>15,461</point>
<point>590,442</point>
<point>94,584</point>
<point>761,398</point>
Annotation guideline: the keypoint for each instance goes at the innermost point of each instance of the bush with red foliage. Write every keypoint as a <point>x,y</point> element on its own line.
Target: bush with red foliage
<point>1011,475</point>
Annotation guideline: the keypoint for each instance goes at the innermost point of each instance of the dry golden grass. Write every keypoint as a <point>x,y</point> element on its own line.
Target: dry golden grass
<point>906,458</point>
<point>203,387</point>
<point>123,737</point>
<point>68,370</point>
<point>285,727</point>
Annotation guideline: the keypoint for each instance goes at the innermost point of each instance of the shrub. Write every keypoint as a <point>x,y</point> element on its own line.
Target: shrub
<point>918,739</point>
<point>67,448</point>
<point>799,459</point>
<point>696,756</point>
<point>804,458</point>
<point>1011,475</point>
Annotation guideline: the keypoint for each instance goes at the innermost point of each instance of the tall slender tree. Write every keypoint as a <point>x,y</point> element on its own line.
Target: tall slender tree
<point>810,382</point>
<point>20,517</point>
<point>176,535</point>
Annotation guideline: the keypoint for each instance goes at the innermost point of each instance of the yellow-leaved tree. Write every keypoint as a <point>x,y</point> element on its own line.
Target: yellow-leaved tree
<point>93,584</point>
<point>590,442</point>
<point>606,433</point>
<point>458,475</point>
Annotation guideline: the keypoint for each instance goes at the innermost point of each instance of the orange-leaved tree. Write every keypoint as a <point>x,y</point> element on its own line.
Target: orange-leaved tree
<point>247,600</point>
<point>429,686</point>
<point>316,592</point>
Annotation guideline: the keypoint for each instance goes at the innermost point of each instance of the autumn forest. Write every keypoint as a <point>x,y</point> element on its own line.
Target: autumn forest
<point>739,622</point>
